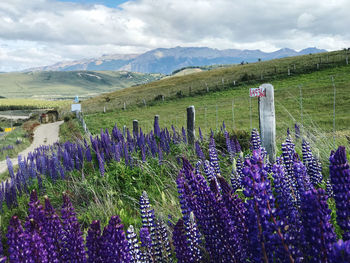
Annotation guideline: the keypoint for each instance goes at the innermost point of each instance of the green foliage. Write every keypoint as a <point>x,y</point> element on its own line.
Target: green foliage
<point>70,130</point>
<point>10,139</point>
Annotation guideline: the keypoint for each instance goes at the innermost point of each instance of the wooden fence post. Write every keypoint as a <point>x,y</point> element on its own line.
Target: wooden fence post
<point>268,122</point>
<point>135,127</point>
<point>190,124</point>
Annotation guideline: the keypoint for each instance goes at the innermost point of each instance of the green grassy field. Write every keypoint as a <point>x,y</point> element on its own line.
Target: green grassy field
<point>51,84</point>
<point>29,104</point>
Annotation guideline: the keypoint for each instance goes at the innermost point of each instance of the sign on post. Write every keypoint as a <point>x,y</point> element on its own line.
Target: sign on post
<point>257,92</point>
<point>76,107</point>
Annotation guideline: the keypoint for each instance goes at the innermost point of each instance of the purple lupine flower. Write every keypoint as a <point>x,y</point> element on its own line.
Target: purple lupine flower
<point>101,163</point>
<point>148,221</point>
<point>237,212</point>
<point>212,216</point>
<point>200,134</point>
<point>88,154</point>
<point>297,131</point>
<point>93,243</point>
<point>36,248</point>
<point>287,212</point>
<point>73,249</point>
<point>184,137</point>
<point>146,245</point>
<point>180,242</point>
<point>35,209</point>
<point>156,127</point>
<point>228,145</point>
<point>236,181</point>
<point>199,151</point>
<point>255,140</point>
<point>10,167</point>
<point>145,209</point>
<point>213,156</point>
<point>114,243</point>
<point>134,247</point>
<point>53,228</point>
<point>237,146</point>
<point>340,178</point>
<point>16,240</point>
<point>163,233</point>
<point>263,224</point>
<point>340,252</point>
<point>329,189</point>
<point>318,230</point>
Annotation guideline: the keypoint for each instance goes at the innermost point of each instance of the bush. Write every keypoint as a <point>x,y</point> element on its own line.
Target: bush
<point>159,97</point>
<point>180,94</point>
<point>66,118</point>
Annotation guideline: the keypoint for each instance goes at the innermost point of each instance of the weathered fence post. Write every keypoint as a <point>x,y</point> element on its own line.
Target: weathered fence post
<point>318,66</point>
<point>190,124</point>
<point>124,105</point>
<point>268,121</point>
<point>104,109</point>
<point>288,71</point>
<point>135,127</point>
<point>124,130</point>
<point>144,102</point>
<point>156,125</point>
<point>347,60</point>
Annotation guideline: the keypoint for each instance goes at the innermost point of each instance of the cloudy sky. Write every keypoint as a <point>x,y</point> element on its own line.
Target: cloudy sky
<point>41,32</point>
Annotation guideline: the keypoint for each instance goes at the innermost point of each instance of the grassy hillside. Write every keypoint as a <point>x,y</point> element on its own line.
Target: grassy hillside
<point>52,84</point>
<point>213,108</point>
<point>215,80</point>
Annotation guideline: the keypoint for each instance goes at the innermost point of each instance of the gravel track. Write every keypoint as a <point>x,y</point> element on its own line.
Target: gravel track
<point>44,134</point>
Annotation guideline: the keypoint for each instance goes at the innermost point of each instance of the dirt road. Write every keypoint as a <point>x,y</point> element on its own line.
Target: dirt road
<point>45,134</point>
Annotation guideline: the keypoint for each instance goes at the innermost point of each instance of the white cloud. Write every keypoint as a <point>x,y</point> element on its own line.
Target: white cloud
<point>41,32</point>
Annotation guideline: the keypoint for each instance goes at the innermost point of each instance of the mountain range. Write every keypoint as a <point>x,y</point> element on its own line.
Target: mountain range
<point>166,60</point>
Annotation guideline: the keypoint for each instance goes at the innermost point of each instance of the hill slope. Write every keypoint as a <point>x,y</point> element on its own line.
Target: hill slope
<point>216,79</point>
<point>50,84</point>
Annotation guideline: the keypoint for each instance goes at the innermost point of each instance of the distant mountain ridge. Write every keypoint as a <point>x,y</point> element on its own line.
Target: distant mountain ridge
<point>166,60</point>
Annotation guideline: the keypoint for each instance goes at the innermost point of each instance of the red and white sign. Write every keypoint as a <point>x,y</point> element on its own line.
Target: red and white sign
<point>257,92</point>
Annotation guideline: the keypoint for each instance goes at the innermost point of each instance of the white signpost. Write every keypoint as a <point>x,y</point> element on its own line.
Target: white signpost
<point>267,121</point>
